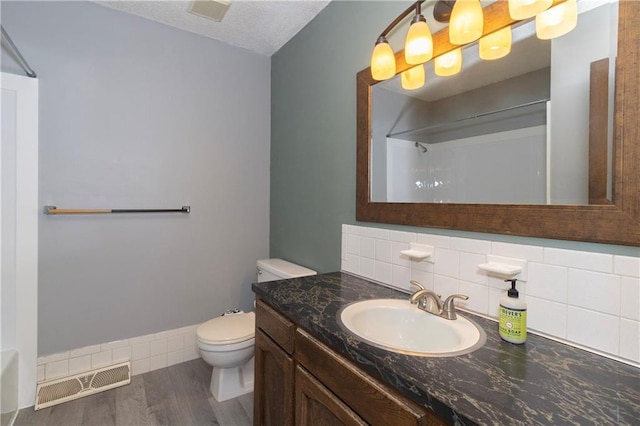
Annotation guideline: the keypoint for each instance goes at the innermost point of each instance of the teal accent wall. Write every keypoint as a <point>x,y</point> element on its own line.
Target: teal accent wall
<point>313,137</point>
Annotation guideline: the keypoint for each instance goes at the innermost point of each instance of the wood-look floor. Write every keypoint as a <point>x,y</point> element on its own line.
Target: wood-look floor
<point>178,395</point>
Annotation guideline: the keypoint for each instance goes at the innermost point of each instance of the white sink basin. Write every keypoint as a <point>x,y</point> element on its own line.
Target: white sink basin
<point>397,325</point>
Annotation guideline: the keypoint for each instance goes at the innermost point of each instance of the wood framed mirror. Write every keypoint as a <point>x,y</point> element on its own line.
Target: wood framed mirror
<point>617,222</point>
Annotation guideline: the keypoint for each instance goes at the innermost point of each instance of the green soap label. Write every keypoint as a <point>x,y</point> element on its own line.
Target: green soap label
<point>513,323</point>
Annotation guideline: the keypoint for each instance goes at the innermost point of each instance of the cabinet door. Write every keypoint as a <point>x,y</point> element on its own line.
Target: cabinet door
<point>273,386</point>
<point>317,406</point>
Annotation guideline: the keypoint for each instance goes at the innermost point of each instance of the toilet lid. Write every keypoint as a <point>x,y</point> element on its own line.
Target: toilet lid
<point>228,329</point>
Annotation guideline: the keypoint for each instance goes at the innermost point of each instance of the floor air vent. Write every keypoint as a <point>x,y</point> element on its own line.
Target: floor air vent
<point>84,384</point>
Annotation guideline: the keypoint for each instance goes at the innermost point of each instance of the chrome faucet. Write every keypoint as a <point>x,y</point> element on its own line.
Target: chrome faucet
<point>446,309</point>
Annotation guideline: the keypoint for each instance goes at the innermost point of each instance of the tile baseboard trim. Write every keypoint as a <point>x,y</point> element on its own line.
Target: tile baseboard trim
<point>146,353</point>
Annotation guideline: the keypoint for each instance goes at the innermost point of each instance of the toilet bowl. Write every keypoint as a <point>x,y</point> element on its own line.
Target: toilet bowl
<point>227,342</point>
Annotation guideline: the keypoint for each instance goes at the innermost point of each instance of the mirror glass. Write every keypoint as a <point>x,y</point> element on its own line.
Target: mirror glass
<point>534,127</point>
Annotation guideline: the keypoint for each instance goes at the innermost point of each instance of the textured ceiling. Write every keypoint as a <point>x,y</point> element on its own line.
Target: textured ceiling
<point>262,26</point>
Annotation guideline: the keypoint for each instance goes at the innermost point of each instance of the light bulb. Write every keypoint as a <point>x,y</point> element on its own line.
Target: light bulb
<point>413,78</point>
<point>448,64</point>
<point>467,22</point>
<point>495,45</point>
<point>383,61</point>
<point>525,9</point>
<point>418,46</point>
<point>557,21</point>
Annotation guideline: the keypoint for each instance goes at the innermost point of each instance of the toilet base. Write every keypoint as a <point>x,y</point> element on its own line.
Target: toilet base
<point>228,383</point>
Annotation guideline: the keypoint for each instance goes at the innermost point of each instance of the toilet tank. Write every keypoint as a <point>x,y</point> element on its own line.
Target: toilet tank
<point>278,269</point>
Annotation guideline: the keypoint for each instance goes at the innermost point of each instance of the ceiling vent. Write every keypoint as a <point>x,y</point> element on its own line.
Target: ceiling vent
<point>210,9</point>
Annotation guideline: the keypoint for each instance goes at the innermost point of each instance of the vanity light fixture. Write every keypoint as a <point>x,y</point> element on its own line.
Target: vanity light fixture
<point>467,22</point>
<point>466,25</point>
<point>495,45</point>
<point>557,21</point>
<point>448,64</point>
<point>525,9</point>
<point>413,78</point>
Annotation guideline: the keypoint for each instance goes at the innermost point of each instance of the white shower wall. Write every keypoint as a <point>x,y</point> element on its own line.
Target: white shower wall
<point>504,167</point>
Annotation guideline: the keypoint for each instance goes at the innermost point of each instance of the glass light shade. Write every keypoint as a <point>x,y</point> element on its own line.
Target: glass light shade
<point>448,64</point>
<point>418,46</point>
<point>525,9</point>
<point>467,22</point>
<point>413,78</point>
<point>495,45</point>
<point>557,21</point>
<point>383,62</point>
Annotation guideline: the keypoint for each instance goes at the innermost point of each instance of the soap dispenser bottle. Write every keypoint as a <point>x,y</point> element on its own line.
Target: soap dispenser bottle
<point>513,316</point>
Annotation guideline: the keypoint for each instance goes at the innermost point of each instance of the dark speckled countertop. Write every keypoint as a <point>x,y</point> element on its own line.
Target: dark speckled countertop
<point>541,382</point>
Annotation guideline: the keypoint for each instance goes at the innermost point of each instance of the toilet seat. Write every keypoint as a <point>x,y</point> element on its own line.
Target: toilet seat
<point>227,329</point>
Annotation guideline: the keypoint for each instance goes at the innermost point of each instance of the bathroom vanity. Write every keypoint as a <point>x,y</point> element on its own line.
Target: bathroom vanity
<point>309,370</point>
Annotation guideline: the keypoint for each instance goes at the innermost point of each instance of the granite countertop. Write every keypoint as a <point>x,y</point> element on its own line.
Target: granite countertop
<point>541,382</point>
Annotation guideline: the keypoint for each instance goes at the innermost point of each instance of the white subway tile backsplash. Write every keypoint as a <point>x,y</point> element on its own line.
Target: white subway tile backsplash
<point>383,272</point>
<point>583,298</point>
<point>398,258</point>
<point>471,246</point>
<point>594,291</point>
<point>401,278</point>
<point>383,250</point>
<point>447,262</point>
<point>630,340</point>
<point>343,248</point>
<point>368,268</point>
<point>593,329</point>
<point>469,270</point>
<point>530,253</point>
<point>378,233</point>
<point>353,244</point>
<point>189,340</point>
<point>445,285</point>
<point>547,282</point>
<point>351,264</point>
<point>368,247</point>
<point>630,298</point>
<point>547,317</point>
<point>424,278</point>
<point>166,334</point>
<point>434,240</point>
<point>478,297</point>
<point>579,259</point>
<point>401,236</point>
<point>625,265</point>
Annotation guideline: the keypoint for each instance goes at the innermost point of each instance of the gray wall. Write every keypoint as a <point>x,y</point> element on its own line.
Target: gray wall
<point>135,114</point>
<point>313,129</point>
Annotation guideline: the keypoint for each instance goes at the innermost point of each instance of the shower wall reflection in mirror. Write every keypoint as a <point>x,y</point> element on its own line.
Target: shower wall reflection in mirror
<point>534,127</point>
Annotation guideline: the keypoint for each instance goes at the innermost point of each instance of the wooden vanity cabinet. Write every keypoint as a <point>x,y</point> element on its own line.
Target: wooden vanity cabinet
<point>274,369</point>
<point>299,380</point>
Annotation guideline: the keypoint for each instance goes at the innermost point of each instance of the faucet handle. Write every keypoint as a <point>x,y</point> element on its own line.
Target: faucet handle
<point>448,308</point>
<point>417,284</point>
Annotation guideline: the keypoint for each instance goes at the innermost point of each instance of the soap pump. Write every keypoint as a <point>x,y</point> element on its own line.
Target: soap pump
<point>513,316</point>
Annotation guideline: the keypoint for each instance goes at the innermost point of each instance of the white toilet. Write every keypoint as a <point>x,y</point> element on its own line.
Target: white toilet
<point>227,342</point>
